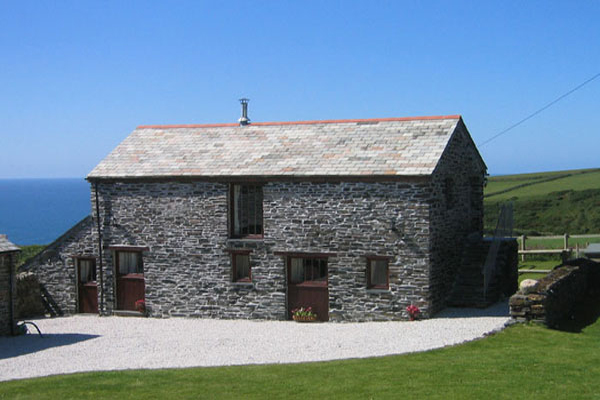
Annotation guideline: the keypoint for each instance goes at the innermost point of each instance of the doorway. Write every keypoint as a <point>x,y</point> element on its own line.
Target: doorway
<point>308,285</point>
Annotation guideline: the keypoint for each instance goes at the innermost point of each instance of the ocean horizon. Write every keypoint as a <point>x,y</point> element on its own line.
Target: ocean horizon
<point>39,211</point>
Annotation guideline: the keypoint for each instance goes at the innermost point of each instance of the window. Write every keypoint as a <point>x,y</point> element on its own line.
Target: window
<point>378,272</point>
<point>308,270</point>
<point>129,262</point>
<point>87,270</point>
<point>246,211</point>
<point>241,267</point>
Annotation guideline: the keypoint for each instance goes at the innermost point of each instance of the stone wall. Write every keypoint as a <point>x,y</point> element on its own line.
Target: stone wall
<point>55,269</point>
<point>7,264</point>
<point>456,211</point>
<point>555,299</point>
<point>188,270</point>
<point>28,301</point>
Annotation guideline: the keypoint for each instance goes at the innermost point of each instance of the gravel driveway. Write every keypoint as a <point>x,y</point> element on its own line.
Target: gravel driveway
<point>92,343</point>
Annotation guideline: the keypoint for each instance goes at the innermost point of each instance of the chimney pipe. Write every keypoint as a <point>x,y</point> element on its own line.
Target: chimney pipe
<point>244,120</point>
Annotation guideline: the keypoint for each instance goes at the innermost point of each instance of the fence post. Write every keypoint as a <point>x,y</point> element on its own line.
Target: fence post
<point>577,250</point>
<point>523,247</point>
<point>566,241</point>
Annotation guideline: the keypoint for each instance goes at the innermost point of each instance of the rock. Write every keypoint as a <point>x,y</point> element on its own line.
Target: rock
<point>528,286</point>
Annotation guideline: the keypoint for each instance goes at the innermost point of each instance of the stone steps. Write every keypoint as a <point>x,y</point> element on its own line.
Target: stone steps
<point>468,290</point>
<point>127,313</point>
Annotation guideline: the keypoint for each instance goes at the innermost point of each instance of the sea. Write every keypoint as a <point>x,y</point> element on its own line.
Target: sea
<point>39,211</point>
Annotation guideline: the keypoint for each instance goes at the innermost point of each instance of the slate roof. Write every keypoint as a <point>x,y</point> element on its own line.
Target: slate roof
<point>374,147</point>
<point>6,245</point>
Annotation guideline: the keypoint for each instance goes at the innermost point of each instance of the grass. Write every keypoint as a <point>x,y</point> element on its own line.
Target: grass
<point>542,184</point>
<point>28,252</point>
<point>545,205</point>
<point>537,264</point>
<point>522,362</point>
<point>548,262</point>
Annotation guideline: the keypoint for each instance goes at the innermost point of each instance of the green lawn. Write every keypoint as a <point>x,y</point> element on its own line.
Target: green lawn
<point>522,362</point>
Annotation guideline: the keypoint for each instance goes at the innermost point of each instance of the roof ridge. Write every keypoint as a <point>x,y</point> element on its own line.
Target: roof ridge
<point>313,122</point>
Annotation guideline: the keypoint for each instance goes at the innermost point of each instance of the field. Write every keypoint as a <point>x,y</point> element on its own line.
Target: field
<point>547,203</point>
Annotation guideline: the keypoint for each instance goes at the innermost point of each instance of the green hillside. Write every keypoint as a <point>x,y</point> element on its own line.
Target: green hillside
<point>547,203</point>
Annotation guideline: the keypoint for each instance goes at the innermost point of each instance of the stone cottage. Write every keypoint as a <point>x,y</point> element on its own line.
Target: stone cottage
<point>8,260</point>
<point>355,218</point>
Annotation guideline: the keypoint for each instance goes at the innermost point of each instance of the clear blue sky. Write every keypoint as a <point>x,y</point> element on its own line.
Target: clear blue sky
<point>76,77</point>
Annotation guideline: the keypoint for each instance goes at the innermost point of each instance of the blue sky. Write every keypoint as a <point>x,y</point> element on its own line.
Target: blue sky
<point>76,77</point>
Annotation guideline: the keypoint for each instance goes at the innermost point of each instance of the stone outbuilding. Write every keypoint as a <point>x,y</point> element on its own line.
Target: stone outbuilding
<point>356,218</point>
<point>8,260</point>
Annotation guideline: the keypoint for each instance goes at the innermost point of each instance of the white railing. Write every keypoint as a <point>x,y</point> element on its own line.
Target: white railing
<point>504,228</point>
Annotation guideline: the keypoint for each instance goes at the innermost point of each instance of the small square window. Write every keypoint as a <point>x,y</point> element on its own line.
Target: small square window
<point>241,267</point>
<point>377,273</point>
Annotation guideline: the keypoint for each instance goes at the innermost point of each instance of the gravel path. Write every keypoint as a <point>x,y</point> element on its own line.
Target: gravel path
<point>91,343</point>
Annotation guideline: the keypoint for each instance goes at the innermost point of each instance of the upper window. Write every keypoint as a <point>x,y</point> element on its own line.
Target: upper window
<point>378,273</point>
<point>129,262</point>
<point>246,211</point>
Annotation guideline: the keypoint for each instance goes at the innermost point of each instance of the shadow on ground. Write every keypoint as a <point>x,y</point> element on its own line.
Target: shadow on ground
<point>31,343</point>
<point>499,309</point>
<point>583,315</point>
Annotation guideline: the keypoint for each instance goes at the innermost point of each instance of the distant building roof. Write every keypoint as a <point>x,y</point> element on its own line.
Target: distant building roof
<point>6,245</point>
<point>373,147</point>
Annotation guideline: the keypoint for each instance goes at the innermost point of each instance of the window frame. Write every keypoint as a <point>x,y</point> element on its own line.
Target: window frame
<point>370,259</point>
<point>304,282</point>
<point>140,261</point>
<point>233,209</point>
<point>233,255</point>
<point>78,260</point>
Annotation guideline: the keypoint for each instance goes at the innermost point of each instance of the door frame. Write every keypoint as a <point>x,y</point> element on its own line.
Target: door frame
<point>323,285</point>
<point>115,250</point>
<point>77,260</point>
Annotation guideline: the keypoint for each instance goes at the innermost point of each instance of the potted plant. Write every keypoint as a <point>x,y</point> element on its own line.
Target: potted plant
<point>413,312</point>
<point>140,306</point>
<point>303,314</point>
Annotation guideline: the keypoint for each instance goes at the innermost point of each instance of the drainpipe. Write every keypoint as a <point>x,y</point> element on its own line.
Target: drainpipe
<point>12,261</point>
<point>100,253</point>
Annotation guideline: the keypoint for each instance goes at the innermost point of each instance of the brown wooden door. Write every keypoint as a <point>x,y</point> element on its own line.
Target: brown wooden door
<point>86,285</point>
<point>130,279</point>
<point>307,285</point>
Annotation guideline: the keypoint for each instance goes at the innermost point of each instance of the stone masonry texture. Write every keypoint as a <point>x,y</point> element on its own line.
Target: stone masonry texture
<point>55,266</point>
<point>420,223</point>
<point>7,264</point>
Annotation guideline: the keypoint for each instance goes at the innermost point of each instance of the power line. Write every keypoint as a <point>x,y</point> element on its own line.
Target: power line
<point>540,110</point>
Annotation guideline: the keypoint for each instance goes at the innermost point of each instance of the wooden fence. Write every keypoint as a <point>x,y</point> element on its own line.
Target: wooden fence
<point>566,251</point>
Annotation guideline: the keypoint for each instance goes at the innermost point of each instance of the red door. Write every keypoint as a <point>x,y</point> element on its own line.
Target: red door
<point>307,286</point>
<point>86,285</point>
<point>130,279</point>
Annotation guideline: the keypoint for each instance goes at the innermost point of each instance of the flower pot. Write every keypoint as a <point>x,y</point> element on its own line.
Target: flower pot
<point>304,318</point>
